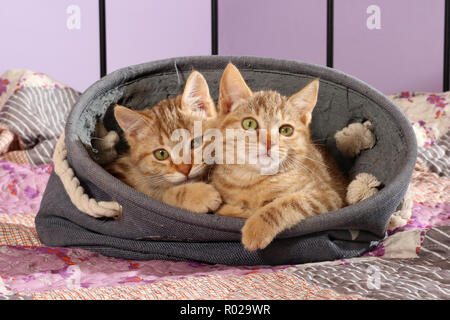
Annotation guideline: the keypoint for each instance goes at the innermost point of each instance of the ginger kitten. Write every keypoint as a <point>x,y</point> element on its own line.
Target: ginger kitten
<point>149,165</point>
<point>307,181</point>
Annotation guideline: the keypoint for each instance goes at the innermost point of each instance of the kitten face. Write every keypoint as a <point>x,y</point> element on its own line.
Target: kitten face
<point>156,154</point>
<point>263,115</point>
<point>165,141</point>
<point>280,125</point>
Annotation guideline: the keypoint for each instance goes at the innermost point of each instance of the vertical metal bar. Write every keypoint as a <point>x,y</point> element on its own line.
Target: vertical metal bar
<point>330,31</point>
<point>102,25</point>
<point>214,27</point>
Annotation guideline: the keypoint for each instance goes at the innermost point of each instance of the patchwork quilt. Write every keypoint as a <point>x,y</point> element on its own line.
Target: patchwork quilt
<point>411,263</point>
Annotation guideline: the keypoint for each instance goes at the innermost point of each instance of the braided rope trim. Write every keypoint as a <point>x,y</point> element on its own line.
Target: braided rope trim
<point>76,192</point>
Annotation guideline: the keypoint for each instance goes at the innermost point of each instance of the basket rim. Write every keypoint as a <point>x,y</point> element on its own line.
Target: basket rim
<point>90,170</point>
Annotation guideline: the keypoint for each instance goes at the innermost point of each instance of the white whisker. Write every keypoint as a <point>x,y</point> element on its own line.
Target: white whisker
<point>297,164</point>
<point>316,161</point>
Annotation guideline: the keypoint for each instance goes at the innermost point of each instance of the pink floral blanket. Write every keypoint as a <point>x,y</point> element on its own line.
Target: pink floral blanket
<point>411,263</point>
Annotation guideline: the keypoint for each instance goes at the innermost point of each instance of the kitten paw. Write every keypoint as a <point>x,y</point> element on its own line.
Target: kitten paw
<point>233,211</point>
<point>355,138</point>
<point>256,233</point>
<point>362,187</point>
<point>104,142</point>
<point>198,197</point>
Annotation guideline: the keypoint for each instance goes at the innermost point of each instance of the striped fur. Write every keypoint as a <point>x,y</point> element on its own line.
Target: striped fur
<point>150,130</point>
<point>308,181</point>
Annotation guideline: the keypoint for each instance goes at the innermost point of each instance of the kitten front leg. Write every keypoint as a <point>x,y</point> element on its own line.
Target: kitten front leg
<point>197,197</point>
<point>284,212</point>
<point>105,143</point>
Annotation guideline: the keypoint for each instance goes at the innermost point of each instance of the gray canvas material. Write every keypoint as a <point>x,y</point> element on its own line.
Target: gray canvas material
<point>150,229</point>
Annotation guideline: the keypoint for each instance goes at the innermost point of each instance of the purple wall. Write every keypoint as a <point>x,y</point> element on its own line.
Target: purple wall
<point>402,50</point>
<point>145,30</point>
<point>405,53</point>
<point>43,36</point>
<point>288,29</point>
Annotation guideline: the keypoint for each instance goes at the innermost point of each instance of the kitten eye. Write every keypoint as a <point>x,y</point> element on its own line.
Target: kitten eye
<point>196,142</point>
<point>161,154</point>
<point>286,130</point>
<point>249,124</point>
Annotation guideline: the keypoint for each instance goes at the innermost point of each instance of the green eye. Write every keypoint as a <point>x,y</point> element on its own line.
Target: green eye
<point>161,154</point>
<point>286,130</point>
<point>249,124</point>
<point>196,142</point>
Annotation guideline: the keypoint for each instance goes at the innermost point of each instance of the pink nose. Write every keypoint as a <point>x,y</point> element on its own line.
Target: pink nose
<point>184,168</point>
<point>268,144</point>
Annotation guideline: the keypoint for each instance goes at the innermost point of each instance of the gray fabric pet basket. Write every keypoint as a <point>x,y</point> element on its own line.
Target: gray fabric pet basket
<point>150,229</point>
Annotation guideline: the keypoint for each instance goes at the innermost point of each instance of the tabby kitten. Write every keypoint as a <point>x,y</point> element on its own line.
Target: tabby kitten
<point>307,183</point>
<point>149,165</point>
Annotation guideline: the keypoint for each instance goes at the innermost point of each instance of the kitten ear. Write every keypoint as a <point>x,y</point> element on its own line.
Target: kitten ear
<point>232,88</point>
<point>305,100</point>
<point>130,121</point>
<point>196,97</point>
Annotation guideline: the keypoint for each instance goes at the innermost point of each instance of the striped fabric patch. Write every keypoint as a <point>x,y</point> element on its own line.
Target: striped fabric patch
<point>379,278</point>
<point>38,116</point>
<point>436,246</point>
<point>437,157</point>
<point>255,286</point>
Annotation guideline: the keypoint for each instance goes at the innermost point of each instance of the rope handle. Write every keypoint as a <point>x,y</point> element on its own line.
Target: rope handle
<point>75,191</point>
